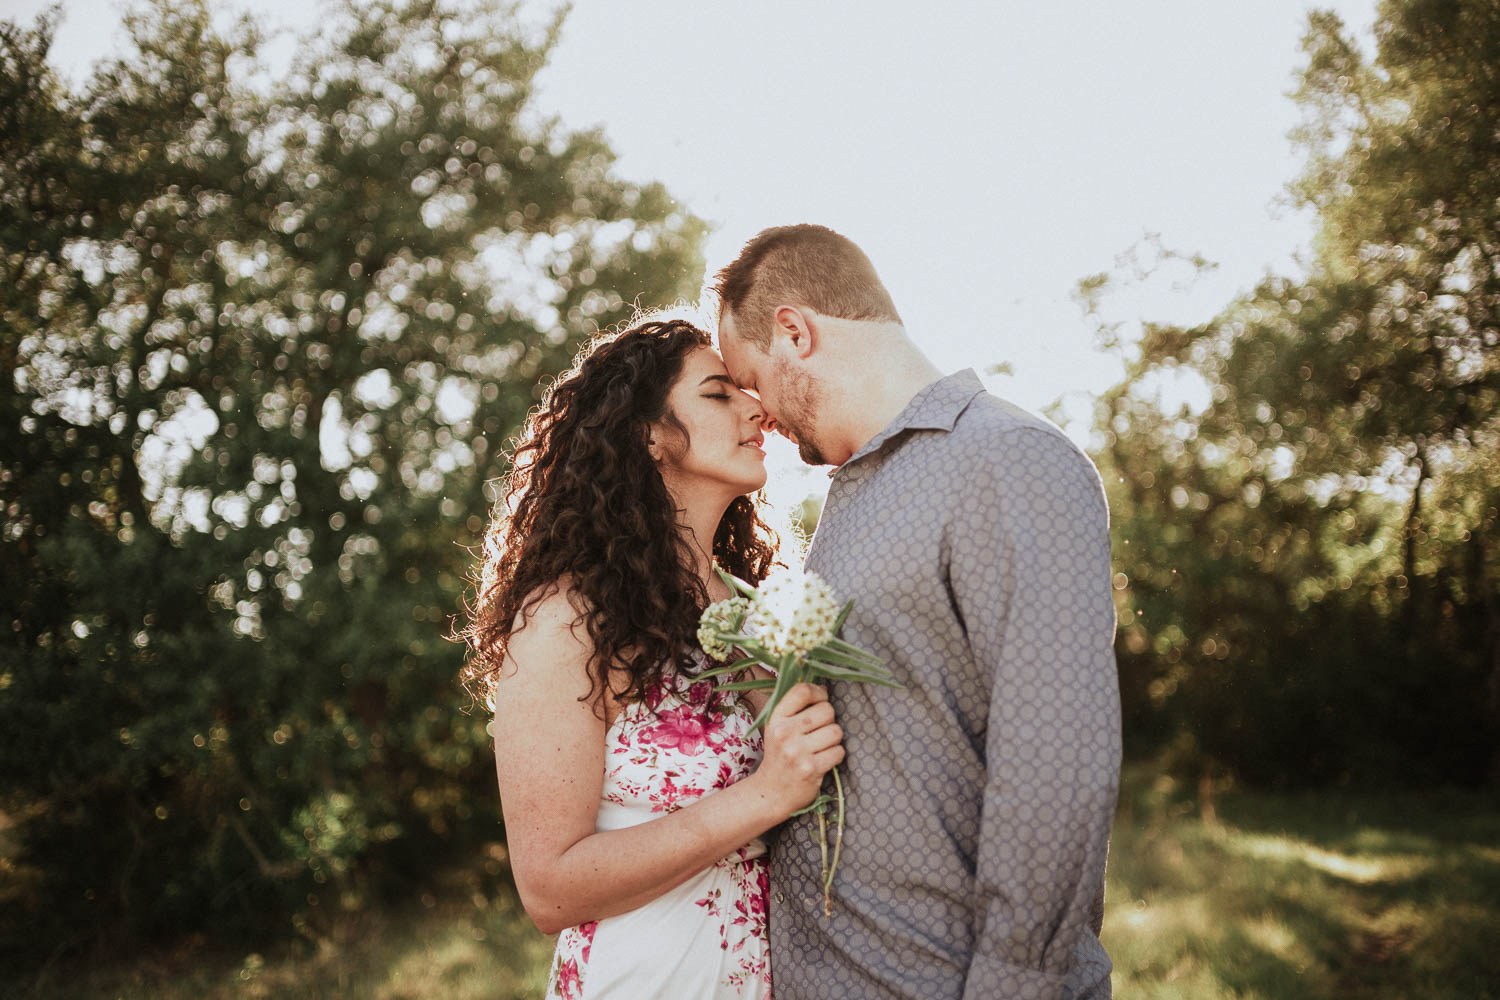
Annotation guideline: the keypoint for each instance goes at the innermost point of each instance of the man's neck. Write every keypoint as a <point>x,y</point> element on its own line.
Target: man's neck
<point>890,381</point>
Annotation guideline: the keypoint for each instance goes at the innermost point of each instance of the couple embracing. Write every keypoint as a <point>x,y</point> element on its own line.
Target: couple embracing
<point>648,825</point>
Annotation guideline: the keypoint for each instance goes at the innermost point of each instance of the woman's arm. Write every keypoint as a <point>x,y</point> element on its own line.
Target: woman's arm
<point>549,756</point>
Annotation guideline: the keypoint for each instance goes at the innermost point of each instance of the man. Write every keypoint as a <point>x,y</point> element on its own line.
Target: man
<point>973,538</point>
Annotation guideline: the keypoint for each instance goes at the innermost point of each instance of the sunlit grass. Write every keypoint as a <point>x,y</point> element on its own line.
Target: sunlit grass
<point>461,943</point>
<point>1322,895</point>
<point>1281,897</point>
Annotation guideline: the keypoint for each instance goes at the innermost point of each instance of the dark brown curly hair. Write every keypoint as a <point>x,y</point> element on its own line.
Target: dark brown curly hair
<point>586,503</point>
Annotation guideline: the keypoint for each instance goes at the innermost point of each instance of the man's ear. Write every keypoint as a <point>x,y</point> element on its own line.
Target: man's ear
<point>794,328</point>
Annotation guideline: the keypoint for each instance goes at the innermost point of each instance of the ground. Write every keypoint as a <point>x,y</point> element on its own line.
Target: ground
<point>1330,894</point>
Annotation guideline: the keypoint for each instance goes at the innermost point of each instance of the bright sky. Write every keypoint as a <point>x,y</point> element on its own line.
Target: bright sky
<point>985,155</point>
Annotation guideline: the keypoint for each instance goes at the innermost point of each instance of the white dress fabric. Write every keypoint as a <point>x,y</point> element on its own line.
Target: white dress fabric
<point>707,937</point>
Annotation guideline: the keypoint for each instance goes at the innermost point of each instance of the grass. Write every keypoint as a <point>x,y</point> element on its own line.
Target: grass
<point>1329,894</point>
<point>461,941</point>
<point>1273,897</point>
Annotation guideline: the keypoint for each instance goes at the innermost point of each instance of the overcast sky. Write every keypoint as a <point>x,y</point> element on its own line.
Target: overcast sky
<point>986,155</point>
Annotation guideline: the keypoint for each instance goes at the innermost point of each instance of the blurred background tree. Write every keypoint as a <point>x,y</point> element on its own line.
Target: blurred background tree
<point>1310,585</point>
<point>264,341</point>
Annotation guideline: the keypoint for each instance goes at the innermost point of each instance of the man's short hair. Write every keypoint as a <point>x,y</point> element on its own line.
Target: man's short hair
<point>803,265</point>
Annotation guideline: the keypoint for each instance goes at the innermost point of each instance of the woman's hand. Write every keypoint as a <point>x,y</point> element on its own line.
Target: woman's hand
<point>802,743</point>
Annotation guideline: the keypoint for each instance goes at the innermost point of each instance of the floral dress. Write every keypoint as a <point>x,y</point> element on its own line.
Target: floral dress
<point>707,937</point>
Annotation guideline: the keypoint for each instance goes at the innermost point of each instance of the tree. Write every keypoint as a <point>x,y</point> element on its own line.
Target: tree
<point>1314,588</point>
<point>268,341</point>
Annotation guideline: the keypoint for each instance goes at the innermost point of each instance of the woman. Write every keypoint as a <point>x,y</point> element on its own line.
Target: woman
<point>633,796</point>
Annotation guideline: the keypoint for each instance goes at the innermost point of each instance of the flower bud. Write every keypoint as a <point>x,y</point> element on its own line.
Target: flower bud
<point>794,612</point>
<point>721,618</point>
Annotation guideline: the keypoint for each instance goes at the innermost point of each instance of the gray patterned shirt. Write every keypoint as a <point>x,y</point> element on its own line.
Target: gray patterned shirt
<point>973,538</point>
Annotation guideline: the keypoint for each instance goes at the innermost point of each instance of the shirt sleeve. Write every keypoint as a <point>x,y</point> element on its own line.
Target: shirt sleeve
<point>1030,574</point>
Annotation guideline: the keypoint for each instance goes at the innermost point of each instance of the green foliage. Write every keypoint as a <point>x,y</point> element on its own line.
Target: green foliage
<point>268,339</point>
<point>1312,581</point>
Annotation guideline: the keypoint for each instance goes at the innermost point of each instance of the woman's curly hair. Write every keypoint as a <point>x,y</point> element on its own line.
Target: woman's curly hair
<point>585,503</point>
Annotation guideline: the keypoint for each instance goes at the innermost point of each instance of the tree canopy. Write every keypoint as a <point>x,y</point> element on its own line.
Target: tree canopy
<point>1311,586</point>
<point>264,343</point>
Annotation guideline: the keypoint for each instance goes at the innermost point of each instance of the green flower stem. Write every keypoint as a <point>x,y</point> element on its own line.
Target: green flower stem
<point>829,867</point>
<point>823,853</point>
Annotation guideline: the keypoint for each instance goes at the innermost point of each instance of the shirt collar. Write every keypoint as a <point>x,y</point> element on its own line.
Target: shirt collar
<point>935,408</point>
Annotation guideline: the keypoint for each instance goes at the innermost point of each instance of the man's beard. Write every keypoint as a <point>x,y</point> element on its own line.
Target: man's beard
<point>807,450</point>
<point>801,396</point>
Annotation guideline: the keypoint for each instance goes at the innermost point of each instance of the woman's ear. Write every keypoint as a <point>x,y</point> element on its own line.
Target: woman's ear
<point>657,437</point>
<point>666,439</point>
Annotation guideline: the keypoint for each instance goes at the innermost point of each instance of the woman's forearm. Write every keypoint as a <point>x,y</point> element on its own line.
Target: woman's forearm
<point>609,873</point>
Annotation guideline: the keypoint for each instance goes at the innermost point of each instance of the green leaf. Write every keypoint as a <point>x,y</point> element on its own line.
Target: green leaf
<point>851,650</point>
<point>729,668</point>
<point>826,672</point>
<point>819,804</point>
<point>755,684</point>
<point>735,584</point>
<point>749,643</point>
<point>827,655</point>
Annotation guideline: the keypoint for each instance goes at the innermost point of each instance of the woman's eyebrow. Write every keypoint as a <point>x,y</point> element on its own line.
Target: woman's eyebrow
<point>718,378</point>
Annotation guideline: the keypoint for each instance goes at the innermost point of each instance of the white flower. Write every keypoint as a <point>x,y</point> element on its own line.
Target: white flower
<point>722,617</point>
<point>794,612</point>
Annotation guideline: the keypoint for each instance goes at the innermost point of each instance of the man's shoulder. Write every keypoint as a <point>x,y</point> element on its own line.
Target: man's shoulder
<point>991,447</point>
<point>989,424</point>
<point>997,448</point>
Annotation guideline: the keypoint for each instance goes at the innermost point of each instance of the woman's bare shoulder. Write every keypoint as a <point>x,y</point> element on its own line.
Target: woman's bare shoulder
<point>550,652</point>
<point>549,637</point>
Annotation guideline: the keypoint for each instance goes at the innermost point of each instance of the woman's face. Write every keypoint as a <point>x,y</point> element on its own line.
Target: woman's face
<point>724,440</point>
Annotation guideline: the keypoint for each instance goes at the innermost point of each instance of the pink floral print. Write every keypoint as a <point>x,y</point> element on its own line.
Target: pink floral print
<point>683,729</point>
<point>744,921</point>
<point>677,746</point>
<point>571,958</point>
<point>664,753</point>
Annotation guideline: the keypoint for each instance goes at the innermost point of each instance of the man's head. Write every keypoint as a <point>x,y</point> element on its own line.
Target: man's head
<point>772,298</point>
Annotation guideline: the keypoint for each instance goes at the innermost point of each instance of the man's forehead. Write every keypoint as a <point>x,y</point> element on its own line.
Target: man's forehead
<point>726,326</point>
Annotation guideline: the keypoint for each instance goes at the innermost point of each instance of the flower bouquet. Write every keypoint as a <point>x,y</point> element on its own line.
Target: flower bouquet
<point>790,625</point>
